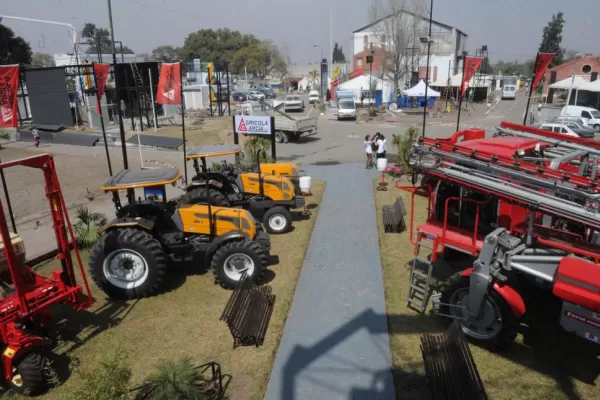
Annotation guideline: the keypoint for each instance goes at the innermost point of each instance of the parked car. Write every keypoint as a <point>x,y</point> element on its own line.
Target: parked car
<point>313,96</point>
<point>293,103</point>
<point>346,109</point>
<point>239,96</point>
<point>557,128</point>
<point>256,95</point>
<point>590,114</point>
<point>578,120</point>
<point>268,92</point>
<point>578,129</point>
<point>509,92</point>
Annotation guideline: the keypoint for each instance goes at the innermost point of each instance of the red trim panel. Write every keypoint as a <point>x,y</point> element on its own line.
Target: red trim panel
<point>510,295</point>
<point>578,281</point>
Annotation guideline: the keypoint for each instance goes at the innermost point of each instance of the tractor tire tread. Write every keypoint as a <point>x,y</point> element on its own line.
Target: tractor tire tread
<point>219,255</point>
<point>145,240</point>
<point>32,369</point>
<point>199,196</point>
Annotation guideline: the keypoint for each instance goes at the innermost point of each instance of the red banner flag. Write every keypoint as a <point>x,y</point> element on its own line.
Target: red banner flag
<point>9,83</point>
<point>542,62</point>
<point>101,72</point>
<point>169,84</point>
<point>470,67</point>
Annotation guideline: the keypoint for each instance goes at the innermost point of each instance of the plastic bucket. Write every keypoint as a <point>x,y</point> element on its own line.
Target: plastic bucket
<point>381,164</point>
<point>305,184</point>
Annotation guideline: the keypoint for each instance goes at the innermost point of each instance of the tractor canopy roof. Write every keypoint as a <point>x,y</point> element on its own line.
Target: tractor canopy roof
<point>213,151</point>
<point>503,146</point>
<point>131,179</point>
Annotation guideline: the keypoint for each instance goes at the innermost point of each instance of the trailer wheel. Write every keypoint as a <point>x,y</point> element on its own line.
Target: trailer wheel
<point>29,377</point>
<point>235,258</point>
<point>279,137</point>
<point>128,264</point>
<point>277,220</point>
<point>496,328</point>
<point>199,196</point>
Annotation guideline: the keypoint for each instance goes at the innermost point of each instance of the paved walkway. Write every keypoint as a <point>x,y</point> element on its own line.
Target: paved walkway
<point>335,343</point>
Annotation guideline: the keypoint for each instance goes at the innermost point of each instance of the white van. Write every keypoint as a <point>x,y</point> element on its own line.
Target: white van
<point>591,115</point>
<point>509,92</point>
<point>313,96</point>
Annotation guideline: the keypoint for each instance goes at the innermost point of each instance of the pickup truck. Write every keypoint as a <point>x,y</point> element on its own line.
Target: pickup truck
<point>293,103</point>
<point>287,128</point>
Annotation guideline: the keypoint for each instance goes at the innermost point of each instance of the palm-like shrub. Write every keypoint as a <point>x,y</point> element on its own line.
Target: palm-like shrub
<point>87,227</point>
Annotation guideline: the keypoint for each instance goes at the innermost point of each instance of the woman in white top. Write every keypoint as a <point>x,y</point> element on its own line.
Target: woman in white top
<point>381,146</point>
<point>369,150</point>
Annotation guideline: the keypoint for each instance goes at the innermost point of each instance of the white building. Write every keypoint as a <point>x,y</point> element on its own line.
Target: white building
<point>448,44</point>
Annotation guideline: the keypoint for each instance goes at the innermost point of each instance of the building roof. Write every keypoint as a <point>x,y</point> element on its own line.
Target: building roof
<point>414,15</point>
<point>573,61</point>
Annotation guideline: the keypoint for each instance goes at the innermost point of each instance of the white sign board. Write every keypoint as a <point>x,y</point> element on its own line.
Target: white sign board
<point>252,125</point>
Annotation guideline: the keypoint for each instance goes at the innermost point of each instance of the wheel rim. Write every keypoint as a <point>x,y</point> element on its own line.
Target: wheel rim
<point>277,222</point>
<point>489,322</point>
<point>125,269</point>
<point>238,264</point>
<point>17,379</point>
<point>597,127</point>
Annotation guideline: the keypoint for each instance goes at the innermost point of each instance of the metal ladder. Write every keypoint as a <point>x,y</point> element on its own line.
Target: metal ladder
<point>420,281</point>
<point>139,82</point>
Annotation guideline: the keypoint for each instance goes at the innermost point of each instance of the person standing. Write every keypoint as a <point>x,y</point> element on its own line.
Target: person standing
<point>381,146</point>
<point>369,151</point>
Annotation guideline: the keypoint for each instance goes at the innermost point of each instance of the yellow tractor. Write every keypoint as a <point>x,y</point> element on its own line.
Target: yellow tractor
<point>270,198</point>
<point>135,250</point>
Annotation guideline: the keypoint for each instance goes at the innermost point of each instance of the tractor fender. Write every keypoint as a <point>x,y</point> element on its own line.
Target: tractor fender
<point>510,295</point>
<point>220,240</point>
<point>14,351</point>
<point>142,223</point>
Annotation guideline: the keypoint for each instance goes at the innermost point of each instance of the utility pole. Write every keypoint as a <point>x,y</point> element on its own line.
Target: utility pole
<point>427,73</point>
<point>130,192</point>
<point>370,62</point>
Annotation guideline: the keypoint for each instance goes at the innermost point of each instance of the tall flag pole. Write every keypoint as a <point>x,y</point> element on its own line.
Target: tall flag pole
<point>470,66</point>
<point>542,61</point>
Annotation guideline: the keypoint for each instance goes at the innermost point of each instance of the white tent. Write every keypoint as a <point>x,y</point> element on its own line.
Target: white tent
<point>591,86</point>
<point>419,90</point>
<point>566,83</point>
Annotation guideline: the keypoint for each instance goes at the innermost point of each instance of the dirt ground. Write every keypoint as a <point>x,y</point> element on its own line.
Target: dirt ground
<point>184,321</point>
<point>545,362</point>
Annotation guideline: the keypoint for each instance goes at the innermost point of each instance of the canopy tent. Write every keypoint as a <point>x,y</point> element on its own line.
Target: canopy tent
<point>566,83</point>
<point>361,82</point>
<point>591,86</point>
<point>419,91</point>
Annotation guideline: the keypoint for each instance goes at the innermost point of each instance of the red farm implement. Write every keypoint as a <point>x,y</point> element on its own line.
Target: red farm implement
<point>525,205</point>
<point>25,313</point>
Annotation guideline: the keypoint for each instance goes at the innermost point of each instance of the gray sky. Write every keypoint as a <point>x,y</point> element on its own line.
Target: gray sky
<point>512,29</point>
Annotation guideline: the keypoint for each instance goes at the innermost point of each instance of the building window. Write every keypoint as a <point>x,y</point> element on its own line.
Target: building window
<point>359,62</point>
<point>366,39</point>
<point>586,69</point>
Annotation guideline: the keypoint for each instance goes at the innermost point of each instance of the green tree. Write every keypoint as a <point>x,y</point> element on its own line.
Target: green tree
<point>99,40</point>
<point>262,59</point>
<point>338,54</point>
<point>13,49</point>
<point>42,60</point>
<point>166,54</point>
<point>216,46</point>
<point>552,39</point>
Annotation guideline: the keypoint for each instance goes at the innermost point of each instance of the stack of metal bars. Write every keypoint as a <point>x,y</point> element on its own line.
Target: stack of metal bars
<point>450,367</point>
<point>248,312</point>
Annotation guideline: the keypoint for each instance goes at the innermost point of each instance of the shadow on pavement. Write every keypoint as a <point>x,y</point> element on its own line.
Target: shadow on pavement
<point>561,356</point>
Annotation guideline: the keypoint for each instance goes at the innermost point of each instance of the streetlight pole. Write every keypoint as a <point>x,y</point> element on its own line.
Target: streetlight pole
<point>320,66</point>
<point>427,72</point>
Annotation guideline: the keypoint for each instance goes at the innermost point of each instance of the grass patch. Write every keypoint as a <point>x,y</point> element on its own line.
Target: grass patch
<point>544,363</point>
<point>184,322</point>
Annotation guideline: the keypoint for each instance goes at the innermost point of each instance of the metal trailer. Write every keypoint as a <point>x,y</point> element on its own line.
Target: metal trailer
<point>546,233</point>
